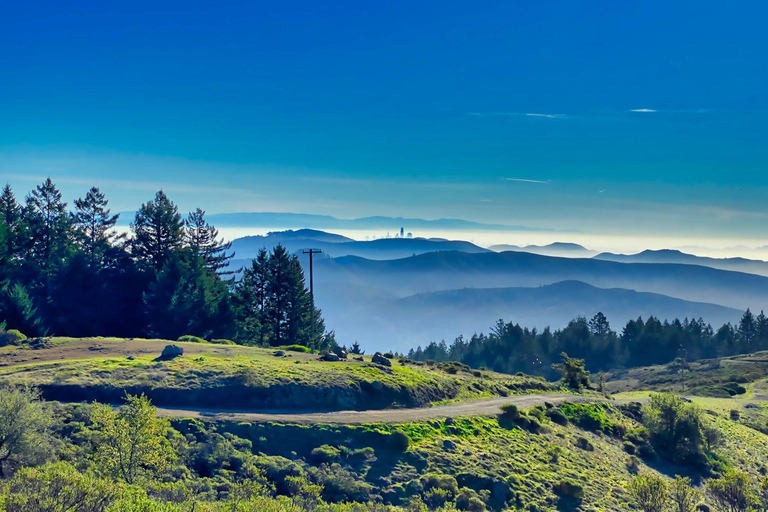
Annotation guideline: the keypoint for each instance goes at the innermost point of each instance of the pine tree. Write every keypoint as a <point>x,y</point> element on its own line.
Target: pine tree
<point>761,325</point>
<point>17,310</point>
<point>203,238</point>
<point>93,223</point>
<point>279,290</point>
<point>46,229</point>
<point>250,301</point>
<point>186,298</point>
<point>10,219</point>
<point>747,331</point>
<point>157,232</point>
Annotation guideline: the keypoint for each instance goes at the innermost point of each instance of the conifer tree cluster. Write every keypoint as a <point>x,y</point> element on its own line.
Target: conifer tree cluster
<point>71,272</point>
<point>510,348</point>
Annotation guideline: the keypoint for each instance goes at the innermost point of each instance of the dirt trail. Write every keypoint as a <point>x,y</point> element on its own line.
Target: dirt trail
<point>485,407</point>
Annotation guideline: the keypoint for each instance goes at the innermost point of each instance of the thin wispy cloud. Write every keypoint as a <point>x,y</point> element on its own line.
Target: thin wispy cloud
<point>644,110</point>
<point>523,180</point>
<point>518,114</point>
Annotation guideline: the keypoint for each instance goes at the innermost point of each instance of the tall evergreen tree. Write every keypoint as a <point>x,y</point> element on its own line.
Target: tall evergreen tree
<point>47,236</point>
<point>204,239</point>
<point>250,298</point>
<point>747,331</point>
<point>10,219</point>
<point>279,289</point>
<point>94,225</point>
<point>157,232</point>
<point>186,298</point>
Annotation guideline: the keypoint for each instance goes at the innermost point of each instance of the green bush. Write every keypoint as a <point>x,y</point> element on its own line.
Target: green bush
<point>221,341</point>
<point>510,412</point>
<point>570,489</point>
<point>11,337</point>
<point>296,348</point>
<point>399,441</point>
<point>325,454</point>
<point>676,428</point>
<point>191,339</point>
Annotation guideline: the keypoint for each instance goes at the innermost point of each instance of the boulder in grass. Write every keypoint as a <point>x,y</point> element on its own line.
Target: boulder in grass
<point>380,359</point>
<point>330,356</point>
<point>171,352</point>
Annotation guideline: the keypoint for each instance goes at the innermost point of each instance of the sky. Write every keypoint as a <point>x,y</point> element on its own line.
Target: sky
<point>586,120</point>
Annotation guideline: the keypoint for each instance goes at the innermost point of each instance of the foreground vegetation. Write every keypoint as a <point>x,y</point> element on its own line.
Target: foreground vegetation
<point>594,456</point>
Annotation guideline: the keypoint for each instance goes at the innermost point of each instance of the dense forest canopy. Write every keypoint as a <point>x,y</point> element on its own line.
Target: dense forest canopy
<point>71,273</point>
<point>511,348</point>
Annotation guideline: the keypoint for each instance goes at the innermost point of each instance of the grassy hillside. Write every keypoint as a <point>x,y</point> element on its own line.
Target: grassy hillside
<point>724,377</point>
<point>245,378</point>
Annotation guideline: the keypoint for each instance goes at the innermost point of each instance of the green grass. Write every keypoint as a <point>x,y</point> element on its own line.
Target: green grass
<point>718,378</point>
<point>252,378</point>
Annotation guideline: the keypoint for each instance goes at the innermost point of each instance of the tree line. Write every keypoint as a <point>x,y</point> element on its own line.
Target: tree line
<point>72,273</point>
<point>510,348</point>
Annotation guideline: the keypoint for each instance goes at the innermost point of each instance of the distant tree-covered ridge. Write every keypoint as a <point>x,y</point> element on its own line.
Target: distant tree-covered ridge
<point>511,348</point>
<point>69,272</point>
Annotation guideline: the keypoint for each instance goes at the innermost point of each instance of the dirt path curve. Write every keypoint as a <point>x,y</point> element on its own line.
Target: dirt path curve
<point>485,407</point>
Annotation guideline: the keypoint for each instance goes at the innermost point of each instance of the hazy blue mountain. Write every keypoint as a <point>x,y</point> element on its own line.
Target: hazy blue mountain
<point>302,220</point>
<point>672,256</point>
<point>436,271</point>
<point>381,322</point>
<point>564,249</point>
<point>336,246</point>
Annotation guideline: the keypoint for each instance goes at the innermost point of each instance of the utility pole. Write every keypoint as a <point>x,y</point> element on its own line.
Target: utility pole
<point>311,253</point>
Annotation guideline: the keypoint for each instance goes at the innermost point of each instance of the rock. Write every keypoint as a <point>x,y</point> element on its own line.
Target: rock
<point>340,352</point>
<point>752,406</point>
<point>359,358</point>
<point>330,356</point>
<point>130,358</point>
<point>449,421</point>
<point>171,352</point>
<point>380,359</point>
<point>449,445</point>
<point>278,353</point>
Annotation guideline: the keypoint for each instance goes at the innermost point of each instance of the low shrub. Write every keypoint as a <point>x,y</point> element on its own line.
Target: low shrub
<point>569,489</point>
<point>191,339</point>
<point>325,454</point>
<point>296,348</point>
<point>399,441</point>
<point>11,337</point>
<point>584,444</point>
<point>222,341</point>
<point>510,412</point>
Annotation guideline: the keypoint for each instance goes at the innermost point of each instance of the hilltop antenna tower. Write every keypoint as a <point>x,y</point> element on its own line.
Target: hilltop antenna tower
<point>311,253</point>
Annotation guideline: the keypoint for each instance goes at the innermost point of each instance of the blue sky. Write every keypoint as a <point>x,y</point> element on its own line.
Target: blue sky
<point>622,117</point>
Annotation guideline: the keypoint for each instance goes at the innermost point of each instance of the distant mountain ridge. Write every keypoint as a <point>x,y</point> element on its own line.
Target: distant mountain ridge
<point>400,323</point>
<point>436,271</point>
<point>566,249</point>
<point>758,267</point>
<point>335,246</point>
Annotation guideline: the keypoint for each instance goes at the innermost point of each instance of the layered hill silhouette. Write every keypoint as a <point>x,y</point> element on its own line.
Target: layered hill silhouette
<point>564,249</point>
<point>336,245</point>
<point>400,323</point>
<point>454,270</point>
<point>673,256</point>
